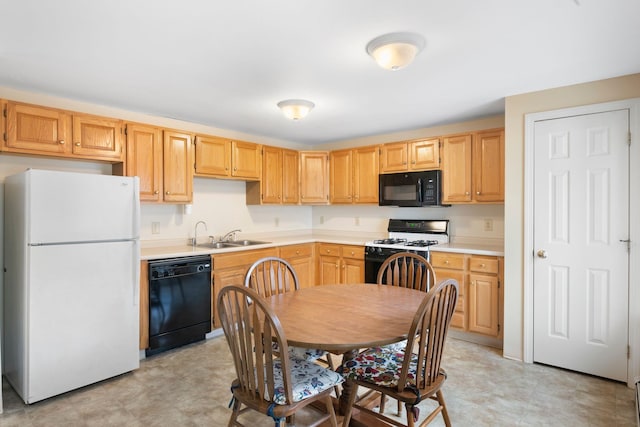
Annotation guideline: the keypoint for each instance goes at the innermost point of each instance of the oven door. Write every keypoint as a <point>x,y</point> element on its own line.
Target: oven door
<point>373,259</point>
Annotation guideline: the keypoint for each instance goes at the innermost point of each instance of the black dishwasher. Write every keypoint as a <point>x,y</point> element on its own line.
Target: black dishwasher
<point>179,302</point>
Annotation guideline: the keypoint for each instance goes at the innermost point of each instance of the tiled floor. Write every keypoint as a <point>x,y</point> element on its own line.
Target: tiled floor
<point>190,387</point>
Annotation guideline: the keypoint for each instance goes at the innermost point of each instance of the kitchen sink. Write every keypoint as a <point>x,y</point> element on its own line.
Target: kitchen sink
<point>217,245</point>
<point>246,242</point>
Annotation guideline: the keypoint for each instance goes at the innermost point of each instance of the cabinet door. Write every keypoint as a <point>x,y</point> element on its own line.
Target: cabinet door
<point>488,166</point>
<point>365,174</point>
<point>212,156</point>
<point>37,129</point>
<point>483,304</point>
<point>245,160</point>
<point>314,177</point>
<point>178,167</point>
<point>352,271</point>
<point>97,137</point>
<point>290,181</point>
<point>271,175</point>
<point>329,270</point>
<point>424,154</point>
<point>341,165</point>
<point>144,159</point>
<point>231,276</point>
<point>394,157</point>
<point>459,319</point>
<point>456,175</point>
<point>304,270</point>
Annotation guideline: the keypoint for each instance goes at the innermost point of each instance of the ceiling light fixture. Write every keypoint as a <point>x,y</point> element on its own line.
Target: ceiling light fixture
<point>296,109</point>
<point>395,50</point>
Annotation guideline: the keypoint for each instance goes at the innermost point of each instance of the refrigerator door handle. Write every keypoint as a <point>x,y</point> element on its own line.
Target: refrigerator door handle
<point>136,273</point>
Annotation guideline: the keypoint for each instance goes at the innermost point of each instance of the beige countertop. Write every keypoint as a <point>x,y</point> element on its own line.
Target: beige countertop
<point>179,248</point>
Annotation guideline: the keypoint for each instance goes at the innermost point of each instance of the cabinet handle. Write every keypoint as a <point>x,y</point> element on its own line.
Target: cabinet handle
<point>482,266</point>
<point>297,252</point>
<point>156,192</point>
<point>61,142</point>
<point>478,193</point>
<point>466,193</point>
<point>77,144</point>
<point>446,261</point>
<point>168,193</point>
<point>235,169</point>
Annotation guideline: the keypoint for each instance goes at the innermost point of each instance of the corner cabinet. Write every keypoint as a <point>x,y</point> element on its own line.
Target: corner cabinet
<point>354,175</point>
<point>314,177</point>
<point>473,167</point>
<point>421,154</point>
<point>279,183</point>
<point>31,129</point>
<point>225,158</point>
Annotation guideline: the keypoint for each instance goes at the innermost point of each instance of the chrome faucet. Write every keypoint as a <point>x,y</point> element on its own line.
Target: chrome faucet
<point>230,235</point>
<point>194,241</point>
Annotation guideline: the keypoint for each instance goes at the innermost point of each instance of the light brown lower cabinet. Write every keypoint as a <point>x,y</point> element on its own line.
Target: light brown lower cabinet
<point>340,264</point>
<point>479,309</point>
<point>230,269</point>
<point>301,257</point>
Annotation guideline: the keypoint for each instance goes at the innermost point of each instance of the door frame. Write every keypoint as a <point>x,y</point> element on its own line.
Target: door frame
<point>633,105</point>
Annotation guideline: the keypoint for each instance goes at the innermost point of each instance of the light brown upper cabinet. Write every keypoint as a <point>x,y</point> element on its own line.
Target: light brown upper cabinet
<point>225,158</point>
<point>420,154</point>
<point>314,177</point>
<point>473,167</point>
<point>354,175</point>
<point>163,161</point>
<point>145,159</point>
<point>177,166</point>
<point>279,183</point>
<point>32,129</point>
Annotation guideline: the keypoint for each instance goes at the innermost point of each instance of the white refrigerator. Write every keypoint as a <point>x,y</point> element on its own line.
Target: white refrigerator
<point>71,280</point>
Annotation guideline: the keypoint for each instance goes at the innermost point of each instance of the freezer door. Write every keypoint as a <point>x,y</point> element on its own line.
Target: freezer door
<point>73,207</point>
<point>82,315</point>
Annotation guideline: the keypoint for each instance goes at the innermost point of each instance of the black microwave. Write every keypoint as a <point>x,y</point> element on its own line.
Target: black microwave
<point>410,189</point>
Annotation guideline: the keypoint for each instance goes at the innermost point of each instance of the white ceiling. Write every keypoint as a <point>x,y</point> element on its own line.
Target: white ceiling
<point>227,63</point>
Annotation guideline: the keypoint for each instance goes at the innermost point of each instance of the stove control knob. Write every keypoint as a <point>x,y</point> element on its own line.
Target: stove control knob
<point>379,250</point>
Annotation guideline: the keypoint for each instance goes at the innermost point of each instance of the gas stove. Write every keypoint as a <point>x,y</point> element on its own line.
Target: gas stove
<point>405,235</point>
<point>413,234</point>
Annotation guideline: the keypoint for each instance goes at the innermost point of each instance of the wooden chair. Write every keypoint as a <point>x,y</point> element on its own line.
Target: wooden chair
<point>407,270</point>
<point>267,382</point>
<point>272,276</point>
<point>409,377</point>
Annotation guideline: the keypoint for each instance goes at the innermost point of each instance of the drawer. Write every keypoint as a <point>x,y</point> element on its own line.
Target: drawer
<point>296,251</point>
<point>483,264</point>
<point>447,260</point>
<point>237,259</point>
<point>350,251</point>
<point>329,249</point>
<point>458,276</point>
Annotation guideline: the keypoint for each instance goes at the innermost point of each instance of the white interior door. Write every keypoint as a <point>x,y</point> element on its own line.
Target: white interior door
<point>581,225</point>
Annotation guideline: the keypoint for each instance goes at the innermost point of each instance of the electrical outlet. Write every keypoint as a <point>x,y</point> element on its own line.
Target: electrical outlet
<point>155,228</point>
<point>488,224</point>
<point>277,221</point>
<point>356,220</point>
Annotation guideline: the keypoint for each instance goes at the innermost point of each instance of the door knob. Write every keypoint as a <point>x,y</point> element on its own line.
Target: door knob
<point>541,253</point>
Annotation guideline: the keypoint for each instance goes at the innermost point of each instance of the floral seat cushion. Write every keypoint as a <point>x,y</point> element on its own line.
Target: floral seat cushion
<point>379,365</point>
<point>308,354</point>
<point>308,379</point>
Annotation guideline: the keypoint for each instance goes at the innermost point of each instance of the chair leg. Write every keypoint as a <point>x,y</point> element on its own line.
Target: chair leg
<point>383,401</point>
<point>411,421</point>
<point>332,413</point>
<point>399,408</point>
<point>352,400</point>
<point>445,413</point>
<point>330,363</point>
<point>234,413</point>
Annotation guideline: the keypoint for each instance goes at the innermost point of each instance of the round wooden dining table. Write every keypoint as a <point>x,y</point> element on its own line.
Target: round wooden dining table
<point>344,318</point>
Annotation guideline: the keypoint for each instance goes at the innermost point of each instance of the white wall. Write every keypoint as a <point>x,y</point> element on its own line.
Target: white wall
<point>221,205</point>
<point>465,220</point>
